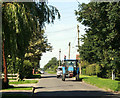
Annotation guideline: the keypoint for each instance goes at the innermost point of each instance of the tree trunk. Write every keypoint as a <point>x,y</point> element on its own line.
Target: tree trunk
<point>21,75</point>
<point>5,68</point>
<point>113,75</point>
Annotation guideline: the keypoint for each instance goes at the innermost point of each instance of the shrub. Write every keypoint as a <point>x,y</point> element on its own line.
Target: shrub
<point>12,67</point>
<point>83,71</point>
<point>103,73</point>
<point>27,68</point>
<point>117,74</point>
<point>84,64</point>
<point>91,69</point>
<point>55,68</point>
<point>98,69</point>
<point>109,73</point>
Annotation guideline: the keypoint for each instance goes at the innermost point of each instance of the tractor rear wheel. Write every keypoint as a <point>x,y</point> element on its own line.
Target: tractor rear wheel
<point>77,77</point>
<point>63,77</point>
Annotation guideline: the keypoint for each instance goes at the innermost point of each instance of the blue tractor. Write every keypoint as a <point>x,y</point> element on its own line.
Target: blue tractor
<point>70,69</point>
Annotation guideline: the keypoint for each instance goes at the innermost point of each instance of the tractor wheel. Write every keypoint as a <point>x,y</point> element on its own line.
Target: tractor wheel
<point>63,77</point>
<point>77,77</point>
<point>57,76</point>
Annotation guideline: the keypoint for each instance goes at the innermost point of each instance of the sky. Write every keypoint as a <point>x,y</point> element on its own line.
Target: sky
<point>63,31</point>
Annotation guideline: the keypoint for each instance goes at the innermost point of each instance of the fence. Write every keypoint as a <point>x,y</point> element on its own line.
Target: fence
<point>11,76</point>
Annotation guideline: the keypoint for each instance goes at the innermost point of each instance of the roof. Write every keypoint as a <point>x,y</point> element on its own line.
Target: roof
<point>59,66</point>
<point>70,60</point>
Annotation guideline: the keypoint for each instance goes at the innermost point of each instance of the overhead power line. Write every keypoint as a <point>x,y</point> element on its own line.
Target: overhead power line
<point>62,39</point>
<point>62,30</point>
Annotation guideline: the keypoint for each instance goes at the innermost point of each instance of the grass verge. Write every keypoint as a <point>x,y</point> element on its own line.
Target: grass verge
<point>12,79</point>
<point>24,82</point>
<point>19,88</point>
<point>51,72</point>
<point>107,84</point>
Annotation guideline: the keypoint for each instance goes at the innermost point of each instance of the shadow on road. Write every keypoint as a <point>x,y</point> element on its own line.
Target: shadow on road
<point>38,87</point>
<point>16,94</point>
<point>48,76</point>
<point>63,94</point>
<point>93,94</point>
<point>19,87</point>
<point>74,80</point>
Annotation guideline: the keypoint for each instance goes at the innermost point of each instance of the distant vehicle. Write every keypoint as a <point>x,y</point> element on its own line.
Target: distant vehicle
<point>42,72</point>
<point>70,68</point>
<point>59,71</point>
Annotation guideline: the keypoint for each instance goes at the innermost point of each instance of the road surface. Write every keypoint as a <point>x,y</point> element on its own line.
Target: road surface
<point>49,85</point>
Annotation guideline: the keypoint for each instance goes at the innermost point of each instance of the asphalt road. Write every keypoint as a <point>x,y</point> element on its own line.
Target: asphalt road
<point>49,85</point>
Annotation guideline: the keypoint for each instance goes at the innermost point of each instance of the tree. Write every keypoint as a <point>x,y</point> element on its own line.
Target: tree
<point>37,45</point>
<point>19,21</point>
<point>102,35</point>
<point>51,64</point>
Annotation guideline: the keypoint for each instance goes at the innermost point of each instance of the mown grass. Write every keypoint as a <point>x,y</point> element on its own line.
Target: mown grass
<point>19,88</point>
<point>107,84</point>
<point>12,79</point>
<point>24,82</point>
<point>51,72</point>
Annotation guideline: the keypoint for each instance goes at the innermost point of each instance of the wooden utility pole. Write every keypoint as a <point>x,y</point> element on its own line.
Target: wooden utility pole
<point>78,36</point>
<point>69,50</point>
<point>59,56</point>
<point>79,45</point>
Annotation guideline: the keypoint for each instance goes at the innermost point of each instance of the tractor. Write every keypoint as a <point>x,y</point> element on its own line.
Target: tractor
<point>70,69</point>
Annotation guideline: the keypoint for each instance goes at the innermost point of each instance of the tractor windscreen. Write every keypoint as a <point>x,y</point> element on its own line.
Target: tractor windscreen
<point>71,63</point>
<point>59,69</point>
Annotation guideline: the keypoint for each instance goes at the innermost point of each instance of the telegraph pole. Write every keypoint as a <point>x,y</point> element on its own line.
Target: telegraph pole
<point>79,45</point>
<point>69,50</point>
<point>59,56</point>
<point>78,36</point>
